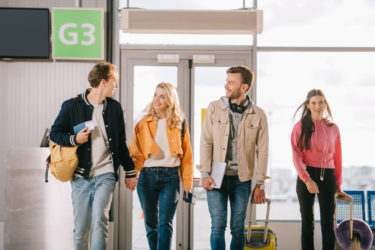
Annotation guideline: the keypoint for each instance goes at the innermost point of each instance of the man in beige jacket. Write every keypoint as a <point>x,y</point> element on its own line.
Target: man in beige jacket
<point>235,135</point>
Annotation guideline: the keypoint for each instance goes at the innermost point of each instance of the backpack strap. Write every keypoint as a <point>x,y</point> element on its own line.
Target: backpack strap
<point>183,125</point>
<point>183,130</point>
<point>48,160</point>
<point>79,108</point>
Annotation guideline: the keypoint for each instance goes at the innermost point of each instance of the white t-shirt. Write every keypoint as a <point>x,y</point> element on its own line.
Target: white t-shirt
<point>163,158</point>
<point>101,159</point>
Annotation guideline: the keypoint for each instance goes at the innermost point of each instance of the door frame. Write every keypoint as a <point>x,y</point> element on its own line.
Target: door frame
<point>146,55</point>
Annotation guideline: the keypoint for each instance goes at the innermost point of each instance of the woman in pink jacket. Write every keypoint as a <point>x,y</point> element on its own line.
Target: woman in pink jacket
<point>316,150</point>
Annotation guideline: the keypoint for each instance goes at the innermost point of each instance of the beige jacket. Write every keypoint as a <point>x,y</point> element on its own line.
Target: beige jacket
<point>252,141</point>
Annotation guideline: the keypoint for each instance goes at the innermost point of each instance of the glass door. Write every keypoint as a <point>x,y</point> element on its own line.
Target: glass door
<point>197,85</point>
<point>209,84</point>
<point>145,80</point>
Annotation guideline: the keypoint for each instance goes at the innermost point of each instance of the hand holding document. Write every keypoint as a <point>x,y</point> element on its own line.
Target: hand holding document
<point>79,127</point>
<point>217,173</point>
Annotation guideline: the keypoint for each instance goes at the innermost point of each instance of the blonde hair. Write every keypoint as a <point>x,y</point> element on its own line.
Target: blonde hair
<point>174,114</point>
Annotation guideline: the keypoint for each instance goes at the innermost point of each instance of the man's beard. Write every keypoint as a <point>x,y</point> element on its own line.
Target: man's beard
<point>234,94</point>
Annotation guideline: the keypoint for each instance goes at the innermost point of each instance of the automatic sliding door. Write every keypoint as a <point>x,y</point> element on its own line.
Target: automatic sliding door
<point>198,85</point>
<point>208,86</point>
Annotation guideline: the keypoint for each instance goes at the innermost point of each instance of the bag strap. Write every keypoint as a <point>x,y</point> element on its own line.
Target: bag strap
<point>80,114</point>
<point>183,125</point>
<point>79,108</point>
<point>48,160</point>
<point>183,130</point>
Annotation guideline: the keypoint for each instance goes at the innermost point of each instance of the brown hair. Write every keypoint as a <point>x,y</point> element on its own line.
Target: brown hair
<point>100,71</point>
<point>308,126</point>
<point>246,74</point>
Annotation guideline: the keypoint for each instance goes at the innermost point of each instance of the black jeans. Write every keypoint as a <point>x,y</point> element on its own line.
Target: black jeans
<point>326,197</point>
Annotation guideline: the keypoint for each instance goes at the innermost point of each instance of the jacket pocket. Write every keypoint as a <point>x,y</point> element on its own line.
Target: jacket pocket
<point>252,128</point>
<point>253,124</point>
<point>222,118</point>
<point>222,121</point>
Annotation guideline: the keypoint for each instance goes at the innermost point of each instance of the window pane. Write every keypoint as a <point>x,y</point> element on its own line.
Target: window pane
<point>347,81</point>
<point>209,86</point>
<point>318,23</point>
<point>145,80</point>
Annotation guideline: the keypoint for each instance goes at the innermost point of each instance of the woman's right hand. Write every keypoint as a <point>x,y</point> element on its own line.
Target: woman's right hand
<point>131,183</point>
<point>340,195</point>
<point>312,187</point>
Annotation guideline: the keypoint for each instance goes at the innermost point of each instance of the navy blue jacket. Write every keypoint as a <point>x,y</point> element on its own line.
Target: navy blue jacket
<point>62,133</point>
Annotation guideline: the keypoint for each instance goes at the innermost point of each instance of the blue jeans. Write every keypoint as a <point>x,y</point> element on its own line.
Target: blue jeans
<point>238,193</point>
<point>91,198</point>
<point>158,190</point>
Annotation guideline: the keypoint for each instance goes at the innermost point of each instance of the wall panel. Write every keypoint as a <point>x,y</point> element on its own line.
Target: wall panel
<point>31,95</point>
<point>3,104</point>
<point>34,94</point>
<point>32,91</point>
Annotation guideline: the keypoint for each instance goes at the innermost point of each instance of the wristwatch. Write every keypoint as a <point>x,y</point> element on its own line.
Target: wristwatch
<point>261,186</point>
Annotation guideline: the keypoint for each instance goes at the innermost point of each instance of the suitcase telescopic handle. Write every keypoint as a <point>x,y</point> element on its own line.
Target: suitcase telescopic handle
<point>350,199</point>
<point>252,207</point>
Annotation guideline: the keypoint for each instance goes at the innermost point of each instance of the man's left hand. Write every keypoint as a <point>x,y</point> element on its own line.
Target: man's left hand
<point>259,195</point>
<point>131,183</point>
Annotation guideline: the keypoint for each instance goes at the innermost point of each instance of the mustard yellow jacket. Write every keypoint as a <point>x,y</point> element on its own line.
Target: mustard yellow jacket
<point>143,145</point>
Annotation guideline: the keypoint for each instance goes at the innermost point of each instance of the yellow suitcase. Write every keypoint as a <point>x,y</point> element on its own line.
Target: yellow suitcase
<point>260,237</point>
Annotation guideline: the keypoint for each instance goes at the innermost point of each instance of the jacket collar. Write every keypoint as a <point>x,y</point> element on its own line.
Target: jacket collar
<point>250,109</point>
<point>148,118</point>
<point>84,97</point>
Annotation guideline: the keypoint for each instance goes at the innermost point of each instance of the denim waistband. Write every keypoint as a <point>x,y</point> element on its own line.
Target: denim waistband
<point>166,169</point>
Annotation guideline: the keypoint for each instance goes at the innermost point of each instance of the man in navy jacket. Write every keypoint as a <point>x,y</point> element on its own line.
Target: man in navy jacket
<point>101,150</point>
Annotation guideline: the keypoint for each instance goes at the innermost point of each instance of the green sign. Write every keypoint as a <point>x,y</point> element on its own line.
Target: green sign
<point>78,34</point>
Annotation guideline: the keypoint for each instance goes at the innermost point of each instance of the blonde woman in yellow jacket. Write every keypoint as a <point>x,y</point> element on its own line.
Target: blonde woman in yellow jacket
<point>160,160</point>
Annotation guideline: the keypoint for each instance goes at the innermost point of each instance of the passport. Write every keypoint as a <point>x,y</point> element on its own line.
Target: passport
<point>79,127</point>
<point>191,198</point>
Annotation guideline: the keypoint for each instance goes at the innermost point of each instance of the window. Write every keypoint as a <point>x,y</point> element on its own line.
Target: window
<point>284,78</point>
<point>317,23</point>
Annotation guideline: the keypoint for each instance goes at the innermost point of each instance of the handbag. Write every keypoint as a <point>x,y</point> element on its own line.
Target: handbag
<point>63,160</point>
